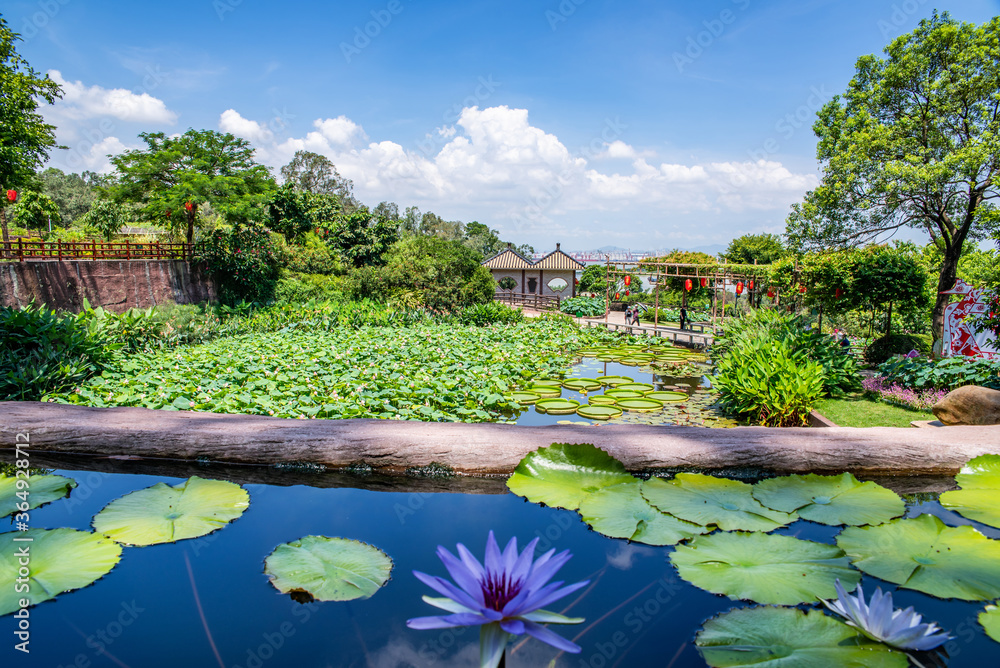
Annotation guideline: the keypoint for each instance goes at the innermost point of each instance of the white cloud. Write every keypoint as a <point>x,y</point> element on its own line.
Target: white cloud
<point>231,121</point>
<point>87,155</point>
<point>80,102</point>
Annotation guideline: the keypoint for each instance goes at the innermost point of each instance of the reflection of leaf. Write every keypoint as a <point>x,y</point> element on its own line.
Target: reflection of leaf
<point>563,473</point>
<point>705,499</point>
<point>979,498</point>
<point>990,619</point>
<point>41,489</point>
<point>830,499</point>
<point>61,560</point>
<point>620,511</point>
<point>926,555</point>
<point>789,638</point>
<point>164,514</point>
<point>328,569</point>
<point>780,570</point>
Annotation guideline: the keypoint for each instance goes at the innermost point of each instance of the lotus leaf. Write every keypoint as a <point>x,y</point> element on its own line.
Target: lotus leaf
<point>599,412</point>
<point>328,569</point>
<point>666,396</point>
<point>562,474</point>
<point>778,570</point>
<point>41,489</point>
<point>789,638</point>
<point>61,560</point>
<point>614,380</point>
<point>620,511</point>
<point>924,554</point>
<point>165,514</point>
<point>557,406</point>
<point>640,404</point>
<point>990,619</point>
<point>705,500</point>
<point>979,498</point>
<point>830,499</point>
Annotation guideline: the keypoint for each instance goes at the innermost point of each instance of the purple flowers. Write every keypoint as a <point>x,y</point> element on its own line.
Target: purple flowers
<point>895,394</point>
<point>504,596</point>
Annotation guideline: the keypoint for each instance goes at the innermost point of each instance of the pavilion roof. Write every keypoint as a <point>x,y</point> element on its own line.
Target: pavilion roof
<point>508,258</point>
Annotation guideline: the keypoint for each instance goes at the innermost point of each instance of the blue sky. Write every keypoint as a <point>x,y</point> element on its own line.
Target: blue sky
<point>590,122</point>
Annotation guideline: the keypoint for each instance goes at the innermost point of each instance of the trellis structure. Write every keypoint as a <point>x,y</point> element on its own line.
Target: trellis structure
<point>717,277</point>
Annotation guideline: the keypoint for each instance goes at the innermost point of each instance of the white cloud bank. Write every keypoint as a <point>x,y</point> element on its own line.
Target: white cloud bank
<point>80,102</point>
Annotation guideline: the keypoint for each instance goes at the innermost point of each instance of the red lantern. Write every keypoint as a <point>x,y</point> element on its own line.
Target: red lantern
<point>770,293</point>
<point>739,288</point>
<point>626,293</point>
<point>837,293</point>
<point>628,281</point>
<point>802,289</point>
<point>11,195</point>
<point>618,295</point>
<point>168,213</point>
<point>687,285</point>
<point>704,282</point>
<point>188,205</point>
<point>750,285</point>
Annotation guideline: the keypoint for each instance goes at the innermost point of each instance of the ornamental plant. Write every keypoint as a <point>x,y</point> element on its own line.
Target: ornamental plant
<point>243,261</point>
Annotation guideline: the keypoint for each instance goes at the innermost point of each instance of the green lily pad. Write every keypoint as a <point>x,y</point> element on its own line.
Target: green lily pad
<point>778,570</point>
<point>790,638</point>
<point>61,560</point>
<point>622,394</point>
<point>979,498</point>
<point>37,490</point>
<point>550,382</point>
<point>525,398</point>
<point>635,387</point>
<point>614,380</point>
<point>562,474</point>
<point>602,400</point>
<point>924,554</point>
<point>165,514</point>
<point>599,412</point>
<point>666,396</point>
<point>830,499</point>
<point>642,405</point>
<point>705,500</point>
<point>582,384</point>
<point>546,391</point>
<point>557,406</point>
<point>620,511</point>
<point>328,569</point>
<point>990,620</point>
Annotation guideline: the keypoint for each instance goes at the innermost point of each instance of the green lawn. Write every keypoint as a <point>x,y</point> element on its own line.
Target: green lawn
<point>856,411</point>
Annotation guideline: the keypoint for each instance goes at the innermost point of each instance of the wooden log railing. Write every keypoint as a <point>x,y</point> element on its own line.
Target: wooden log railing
<point>20,250</point>
<point>530,300</point>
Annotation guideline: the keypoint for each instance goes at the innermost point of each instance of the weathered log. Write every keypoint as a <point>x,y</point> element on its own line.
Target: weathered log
<point>484,449</point>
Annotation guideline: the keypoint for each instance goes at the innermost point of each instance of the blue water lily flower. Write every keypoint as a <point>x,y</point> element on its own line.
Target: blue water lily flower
<point>879,621</point>
<point>505,596</point>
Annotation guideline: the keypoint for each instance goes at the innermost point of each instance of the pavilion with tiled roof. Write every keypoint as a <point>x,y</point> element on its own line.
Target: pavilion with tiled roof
<point>553,275</point>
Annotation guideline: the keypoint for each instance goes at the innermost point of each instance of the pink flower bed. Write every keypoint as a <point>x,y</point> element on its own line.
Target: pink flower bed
<point>897,395</point>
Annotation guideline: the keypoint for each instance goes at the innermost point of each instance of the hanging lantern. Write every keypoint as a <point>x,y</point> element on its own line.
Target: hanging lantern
<point>837,293</point>
<point>802,289</point>
<point>168,213</point>
<point>704,282</point>
<point>628,281</point>
<point>188,205</point>
<point>687,285</point>
<point>618,296</point>
<point>750,285</point>
<point>770,293</point>
<point>626,293</point>
<point>739,288</point>
<point>11,195</point>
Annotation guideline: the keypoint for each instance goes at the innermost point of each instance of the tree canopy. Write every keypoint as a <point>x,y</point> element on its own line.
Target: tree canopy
<point>913,143</point>
<point>74,194</point>
<point>314,173</point>
<point>755,248</point>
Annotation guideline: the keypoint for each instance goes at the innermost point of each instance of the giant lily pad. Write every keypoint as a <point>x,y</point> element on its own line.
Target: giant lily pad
<point>641,405</point>
<point>61,560</point>
<point>601,400</point>
<point>635,387</point>
<point>164,514</point>
<point>622,394</point>
<point>979,498</point>
<point>990,619</point>
<point>705,500</point>
<point>598,412</point>
<point>563,473</point>
<point>789,638</point>
<point>525,398</point>
<point>328,569</point>
<point>582,384</point>
<point>779,570</point>
<point>37,490</point>
<point>614,380</point>
<point>666,396</point>
<point>830,499</point>
<point>620,511</point>
<point>557,406</point>
<point>926,555</point>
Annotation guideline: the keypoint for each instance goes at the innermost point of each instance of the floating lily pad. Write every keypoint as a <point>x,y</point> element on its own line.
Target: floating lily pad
<point>614,380</point>
<point>61,560</point>
<point>620,511</point>
<point>525,398</point>
<point>990,620</point>
<point>551,382</point>
<point>562,474</point>
<point>778,570</point>
<point>557,406</point>
<point>641,404</point>
<point>602,400</point>
<point>622,394</point>
<point>830,499</point>
<point>599,412</point>
<point>582,384</point>
<point>633,361</point>
<point>705,500</point>
<point>545,391</point>
<point>635,387</point>
<point>979,498</point>
<point>165,514</point>
<point>665,396</point>
<point>924,554</point>
<point>328,569</point>
<point>790,638</point>
<point>37,490</point>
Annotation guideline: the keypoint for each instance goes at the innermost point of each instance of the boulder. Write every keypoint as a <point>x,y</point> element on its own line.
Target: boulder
<point>971,405</point>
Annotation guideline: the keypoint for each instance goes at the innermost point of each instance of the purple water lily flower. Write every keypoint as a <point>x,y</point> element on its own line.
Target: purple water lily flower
<point>879,621</point>
<point>505,596</point>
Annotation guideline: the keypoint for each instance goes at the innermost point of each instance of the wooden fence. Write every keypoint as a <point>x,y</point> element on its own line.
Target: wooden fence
<point>538,302</point>
<point>30,249</point>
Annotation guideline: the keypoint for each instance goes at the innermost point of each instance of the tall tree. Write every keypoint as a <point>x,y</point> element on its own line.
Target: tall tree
<point>914,143</point>
<point>25,137</point>
<point>173,176</point>
<point>74,194</point>
<point>314,173</point>
<point>34,210</point>
<point>750,248</point>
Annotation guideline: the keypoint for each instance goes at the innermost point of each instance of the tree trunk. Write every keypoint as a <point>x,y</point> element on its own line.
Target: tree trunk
<point>888,320</point>
<point>191,215</point>
<point>3,224</point>
<point>949,272</point>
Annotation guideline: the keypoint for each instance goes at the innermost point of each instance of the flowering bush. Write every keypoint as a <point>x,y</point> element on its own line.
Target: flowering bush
<point>897,395</point>
<point>243,263</point>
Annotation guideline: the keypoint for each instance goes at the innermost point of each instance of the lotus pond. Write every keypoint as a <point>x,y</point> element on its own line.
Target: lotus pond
<point>693,570</point>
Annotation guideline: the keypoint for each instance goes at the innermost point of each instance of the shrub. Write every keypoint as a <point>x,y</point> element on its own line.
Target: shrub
<point>491,313</point>
<point>883,348</point>
<point>296,288</point>
<point>448,274</point>
<point>674,315</point>
<point>243,261</point>
<point>944,374</point>
<point>904,397</point>
<point>134,330</point>
<point>768,382</point>
<point>583,307</point>
<point>311,256</point>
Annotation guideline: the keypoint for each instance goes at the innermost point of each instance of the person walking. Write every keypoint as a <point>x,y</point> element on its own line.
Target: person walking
<point>684,315</point>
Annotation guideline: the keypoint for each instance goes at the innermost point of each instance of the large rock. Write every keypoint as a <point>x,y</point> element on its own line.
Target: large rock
<point>971,405</point>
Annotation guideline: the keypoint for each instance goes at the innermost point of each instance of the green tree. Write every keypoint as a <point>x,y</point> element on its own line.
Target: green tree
<point>314,173</point>
<point>74,194</point>
<point>25,137</point>
<point>107,217</point>
<point>487,242</point>
<point>173,176</point>
<point>34,210</point>
<point>755,248</point>
<point>447,274</point>
<point>362,238</point>
<point>294,213</point>
<point>914,143</point>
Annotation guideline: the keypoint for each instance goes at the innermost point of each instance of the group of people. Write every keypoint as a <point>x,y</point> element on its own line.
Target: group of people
<point>632,315</point>
<point>841,338</point>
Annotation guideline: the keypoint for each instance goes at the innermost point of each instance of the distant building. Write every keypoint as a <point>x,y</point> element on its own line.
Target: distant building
<point>553,274</point>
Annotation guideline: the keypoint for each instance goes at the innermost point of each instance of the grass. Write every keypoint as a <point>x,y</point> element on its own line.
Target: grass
<point>858,411</point>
